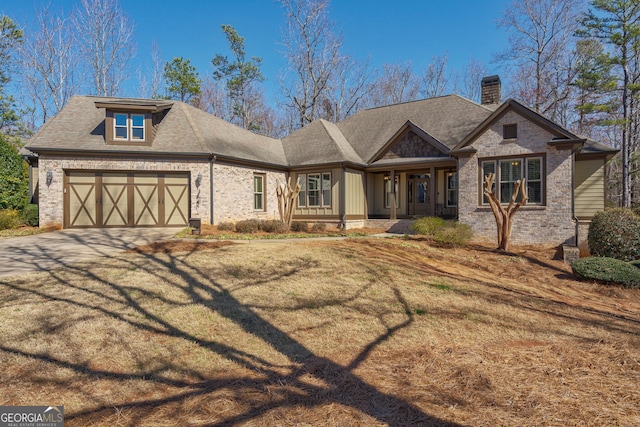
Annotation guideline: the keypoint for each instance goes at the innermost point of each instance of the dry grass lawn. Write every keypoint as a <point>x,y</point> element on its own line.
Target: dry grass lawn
<point>354,332</point>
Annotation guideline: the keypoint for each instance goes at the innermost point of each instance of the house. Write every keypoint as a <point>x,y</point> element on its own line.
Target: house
<point>114,162</point>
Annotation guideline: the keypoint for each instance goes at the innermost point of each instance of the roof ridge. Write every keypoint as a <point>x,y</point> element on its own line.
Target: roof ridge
<point>410,102</point>
<point>192,124</point>
<point>344,154</point>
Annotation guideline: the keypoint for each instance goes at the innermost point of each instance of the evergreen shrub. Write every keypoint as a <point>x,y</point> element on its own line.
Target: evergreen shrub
<point>615,233</point>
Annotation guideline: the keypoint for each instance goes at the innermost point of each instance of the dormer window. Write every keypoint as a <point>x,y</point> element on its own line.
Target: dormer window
<point>132,122</point>
<point>129,127</point>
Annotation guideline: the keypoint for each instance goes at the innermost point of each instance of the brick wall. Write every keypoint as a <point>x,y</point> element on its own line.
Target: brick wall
<point>233,193</point>
<point>550,224</point>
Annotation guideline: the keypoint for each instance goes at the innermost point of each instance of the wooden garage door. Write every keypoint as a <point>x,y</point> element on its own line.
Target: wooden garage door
<point>126,199</point>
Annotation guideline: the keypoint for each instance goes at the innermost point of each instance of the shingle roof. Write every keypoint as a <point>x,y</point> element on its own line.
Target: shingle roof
<point>184,130</point>
<point>451,119</point>
<point>318,142</point>
<point>447,118</point>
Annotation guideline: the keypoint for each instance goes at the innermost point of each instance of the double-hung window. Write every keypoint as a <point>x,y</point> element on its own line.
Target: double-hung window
<point>508,172</point>
<point>258,192</point>
<point>315,190</point>
<point>129,127</point>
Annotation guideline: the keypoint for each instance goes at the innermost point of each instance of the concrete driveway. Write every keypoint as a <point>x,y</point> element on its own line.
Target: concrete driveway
<point>44,251</point>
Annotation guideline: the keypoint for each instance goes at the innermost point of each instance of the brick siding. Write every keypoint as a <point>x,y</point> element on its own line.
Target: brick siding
<point>551,224</point>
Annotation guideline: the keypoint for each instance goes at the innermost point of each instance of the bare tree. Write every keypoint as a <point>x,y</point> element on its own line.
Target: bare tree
<point>49,67</point>
<point>213,99</point>
<point>106,39</point>
<point>396,84</point>
<point>349,87</point>
<point>313,55</point>
<point>435,77</point>
<point>150,80</point>
<point>467,83</point>
<point>541,35</point>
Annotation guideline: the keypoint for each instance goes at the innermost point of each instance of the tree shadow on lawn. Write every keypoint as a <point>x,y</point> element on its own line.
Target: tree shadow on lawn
<point>341,385</point>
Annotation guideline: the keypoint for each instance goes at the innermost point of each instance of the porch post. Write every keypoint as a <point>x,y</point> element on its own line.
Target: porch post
<point>432,190</point>
<point>392,178</point>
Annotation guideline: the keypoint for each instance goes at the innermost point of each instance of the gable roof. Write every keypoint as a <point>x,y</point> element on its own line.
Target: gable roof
<point>448,119</point>
<point>511,104</point>
<point>409,126</point>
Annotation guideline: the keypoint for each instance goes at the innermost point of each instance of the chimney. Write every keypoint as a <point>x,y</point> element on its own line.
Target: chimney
<point>491,90</point>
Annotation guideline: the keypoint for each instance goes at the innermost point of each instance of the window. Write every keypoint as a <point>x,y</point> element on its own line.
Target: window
<point>315,190</point>
<point>326,189</point>
<point>508,171</point>
<point>129,127</point>
<point>302,195</point>
<point>487,168</point>
<point>387,191</point>
<point>258,192</point>
<point>510,131</point>
<point>452,189</point>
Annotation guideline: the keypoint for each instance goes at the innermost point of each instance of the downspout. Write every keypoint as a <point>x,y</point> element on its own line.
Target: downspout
<point>573,196</point>
<point>343,198</point>
<point>212,160</point>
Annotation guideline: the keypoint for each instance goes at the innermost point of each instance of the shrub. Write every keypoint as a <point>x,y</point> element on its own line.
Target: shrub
<point>14,176</point>
<point>427,225</point>
<point>30,215</point>
<point>615,233</point>
<point>9,218</point>
<point>226,226</point>
<point>453,234</point>
<point>607,270</point>
<point>248,226</point>
<point>319,226</point>
<point>299,226</point>
<point>273,226</point>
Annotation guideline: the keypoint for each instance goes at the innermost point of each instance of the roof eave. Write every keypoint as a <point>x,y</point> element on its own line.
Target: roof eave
<point>522,110</point>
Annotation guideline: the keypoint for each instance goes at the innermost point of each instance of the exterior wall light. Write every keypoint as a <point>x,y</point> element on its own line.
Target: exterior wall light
<point>49,177</point>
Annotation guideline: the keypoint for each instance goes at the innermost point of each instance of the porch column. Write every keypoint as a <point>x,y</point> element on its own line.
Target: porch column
<point>433,194</point>
<point>392,204</point>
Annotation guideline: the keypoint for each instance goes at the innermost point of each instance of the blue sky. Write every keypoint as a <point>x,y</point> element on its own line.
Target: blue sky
<point>392,31</point>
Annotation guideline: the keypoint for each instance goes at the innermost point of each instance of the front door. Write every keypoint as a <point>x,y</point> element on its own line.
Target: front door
<point>419,200</point>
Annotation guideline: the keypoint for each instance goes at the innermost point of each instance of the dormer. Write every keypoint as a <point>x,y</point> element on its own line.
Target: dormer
<point>132,122</point>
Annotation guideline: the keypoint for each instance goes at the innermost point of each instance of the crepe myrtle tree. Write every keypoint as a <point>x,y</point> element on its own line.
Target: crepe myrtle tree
<point>504,216</point>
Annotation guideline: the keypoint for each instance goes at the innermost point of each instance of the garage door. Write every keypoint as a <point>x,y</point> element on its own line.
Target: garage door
<point>126,199</point>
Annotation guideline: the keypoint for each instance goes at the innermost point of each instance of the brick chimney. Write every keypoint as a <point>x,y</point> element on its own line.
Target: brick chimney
<point>491,90</point>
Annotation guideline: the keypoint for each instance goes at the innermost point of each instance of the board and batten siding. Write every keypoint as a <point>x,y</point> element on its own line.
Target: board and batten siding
<point>320,211</point>
<point>355,204</point>
<point>589,187</point>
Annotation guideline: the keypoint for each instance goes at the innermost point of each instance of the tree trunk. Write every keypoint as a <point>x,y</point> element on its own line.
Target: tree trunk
<point>504,216</point>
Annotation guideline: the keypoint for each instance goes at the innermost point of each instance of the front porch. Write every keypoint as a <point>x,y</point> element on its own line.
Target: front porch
<point>431,191</point>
